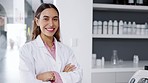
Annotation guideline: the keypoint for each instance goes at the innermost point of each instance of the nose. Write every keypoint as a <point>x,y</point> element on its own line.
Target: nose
<point>50,23</point>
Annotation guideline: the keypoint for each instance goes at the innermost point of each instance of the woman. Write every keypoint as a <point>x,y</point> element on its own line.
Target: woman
<point>45,59</point>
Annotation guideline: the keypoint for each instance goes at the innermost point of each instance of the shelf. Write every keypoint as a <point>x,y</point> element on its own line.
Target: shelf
<point>122,67</point>
<point>120,36</point>
<point>97,6</point>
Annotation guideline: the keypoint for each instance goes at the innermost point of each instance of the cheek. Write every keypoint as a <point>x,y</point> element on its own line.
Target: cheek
<point>42,24</point>
<point>57,24</point>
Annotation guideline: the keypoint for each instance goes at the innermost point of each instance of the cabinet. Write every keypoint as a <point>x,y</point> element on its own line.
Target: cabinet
<point>103,77</point>
<point>127,44</point>
<point>120,73</point>
<point>130,10</point>
<point>111,77</point>
<point>123,77</point>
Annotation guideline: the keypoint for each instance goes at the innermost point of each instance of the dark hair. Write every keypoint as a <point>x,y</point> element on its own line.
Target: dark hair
<point>36,29</point>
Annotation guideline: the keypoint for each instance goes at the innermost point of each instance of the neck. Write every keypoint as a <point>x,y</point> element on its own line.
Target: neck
<point>47,40</point>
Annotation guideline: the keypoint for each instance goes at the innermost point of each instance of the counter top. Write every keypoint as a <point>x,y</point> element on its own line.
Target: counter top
<point>124,66</point>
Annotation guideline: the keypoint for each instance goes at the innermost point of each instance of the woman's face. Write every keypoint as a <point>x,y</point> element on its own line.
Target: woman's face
<point>48,22</point>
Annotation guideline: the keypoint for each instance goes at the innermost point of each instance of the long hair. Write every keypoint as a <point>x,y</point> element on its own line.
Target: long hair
<point>36,29</point>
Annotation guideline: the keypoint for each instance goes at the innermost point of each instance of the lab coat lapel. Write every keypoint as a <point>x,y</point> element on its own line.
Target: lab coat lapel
<point>48,59</point>
<point>43,51</point>
<point>58,54</point>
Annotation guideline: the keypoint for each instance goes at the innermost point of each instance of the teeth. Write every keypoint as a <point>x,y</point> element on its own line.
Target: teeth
<point>50,29</point>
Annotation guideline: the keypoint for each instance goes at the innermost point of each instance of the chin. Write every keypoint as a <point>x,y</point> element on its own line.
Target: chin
<point>49,35</point>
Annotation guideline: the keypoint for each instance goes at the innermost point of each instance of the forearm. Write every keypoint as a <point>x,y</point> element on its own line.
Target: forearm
<point>71,77</point>
<point>28,77</point>
<point>46,76</point>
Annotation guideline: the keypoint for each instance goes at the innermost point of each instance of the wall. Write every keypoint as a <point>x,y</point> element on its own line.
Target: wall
<point>8,6</point>
<point>76,24</point>
<point>126,48</point>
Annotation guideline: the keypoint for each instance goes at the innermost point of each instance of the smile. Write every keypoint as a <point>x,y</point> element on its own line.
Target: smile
<point>50,29</point>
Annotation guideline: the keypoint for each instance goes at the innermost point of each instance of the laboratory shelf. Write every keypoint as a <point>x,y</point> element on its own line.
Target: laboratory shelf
<point>120,36</point>
<point>121,67</point>
<point>98,6</point>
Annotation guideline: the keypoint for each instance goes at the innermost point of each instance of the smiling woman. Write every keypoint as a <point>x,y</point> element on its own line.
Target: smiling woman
<point>45,58</point>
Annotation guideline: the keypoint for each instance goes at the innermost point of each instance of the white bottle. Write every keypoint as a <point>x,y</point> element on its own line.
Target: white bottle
<point>103,61</point>
<point>125,27</point>
<point>140,2</point>
<point>146,29</point>
<point>120,27</point>
<point>95,23</point>
<point>129,31</point>
<point>133,26</point>
<point>138,29</point>
<point>115,27</point>
<point>110,27</point>
<point>98,62</point>
<point>131,2</point>
<point>135,59</point>
<point>142,29</point>
<point>114,58</point>
<point>105,28</point>
<point>99,27</point>
<point>94,60</point>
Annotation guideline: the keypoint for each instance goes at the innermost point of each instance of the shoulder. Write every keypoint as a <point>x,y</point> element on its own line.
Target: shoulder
<point>27,47</point>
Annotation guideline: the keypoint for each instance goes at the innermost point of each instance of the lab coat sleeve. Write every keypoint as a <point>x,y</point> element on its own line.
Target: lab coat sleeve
<point>74,76</point>
<point>26,66</point>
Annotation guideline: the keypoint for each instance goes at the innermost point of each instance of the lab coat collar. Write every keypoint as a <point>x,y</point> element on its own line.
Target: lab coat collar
<point>40,42</point>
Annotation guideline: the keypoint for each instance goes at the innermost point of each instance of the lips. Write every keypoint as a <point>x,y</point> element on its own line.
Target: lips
<point>50,29</point>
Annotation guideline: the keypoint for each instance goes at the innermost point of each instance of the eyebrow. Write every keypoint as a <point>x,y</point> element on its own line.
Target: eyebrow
<point>53,17</point>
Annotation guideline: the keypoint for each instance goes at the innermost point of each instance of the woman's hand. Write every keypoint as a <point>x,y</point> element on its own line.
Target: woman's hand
<point>69,68</point>
<point>46,76</point>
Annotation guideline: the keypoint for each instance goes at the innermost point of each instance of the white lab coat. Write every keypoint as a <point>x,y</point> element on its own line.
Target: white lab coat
<point>35,59</point>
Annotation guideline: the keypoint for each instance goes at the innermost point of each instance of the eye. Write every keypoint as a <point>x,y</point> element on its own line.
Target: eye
<point>55,19</point>
<point>46,19</point>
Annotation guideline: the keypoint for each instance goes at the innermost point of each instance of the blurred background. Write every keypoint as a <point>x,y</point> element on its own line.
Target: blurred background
<point>16,18</point>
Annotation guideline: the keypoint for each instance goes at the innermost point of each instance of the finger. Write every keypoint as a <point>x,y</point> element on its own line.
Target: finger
<point>67,67</point>
<point>71,68</point>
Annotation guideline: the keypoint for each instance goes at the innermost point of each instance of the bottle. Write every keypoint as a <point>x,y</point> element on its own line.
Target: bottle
<point>120,27</point>
<point>99,27</point>
<point>94,60</point>
<point>139,2</point>
<point>114,58</point>
<point>135,59</point>
<point>115,27</point>
<point>98,62</point>
<point>125,27</point>
<point>110,27</point>
<point>146,29</point>
<point>129,29</point>
<point>95,23</point>
<point>133,26</point>
<point>130,2</point>
<point>105,28</point>
<point>103,61</point>
<point>138,29</point>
